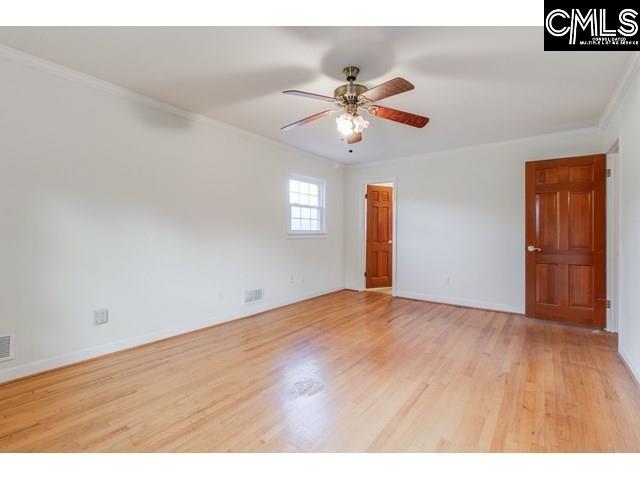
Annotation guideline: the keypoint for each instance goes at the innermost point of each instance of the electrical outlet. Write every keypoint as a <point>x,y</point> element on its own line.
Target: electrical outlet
<point>101,316</point>
<point>292,280</point>
<point>447,280</point>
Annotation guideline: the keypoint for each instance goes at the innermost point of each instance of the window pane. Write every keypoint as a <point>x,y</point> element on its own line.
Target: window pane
<point>295,224</point>
<point>304,187</point>
<point>313,189</point>
<point>315,225</point>
<point>305,213</point>
<point>305,225</point>
<point>294,198</point>
<point>295,212</point>
<point>314,201</point>
<point>303,199</point>
<point>314,213</point>
<point>294,186</point>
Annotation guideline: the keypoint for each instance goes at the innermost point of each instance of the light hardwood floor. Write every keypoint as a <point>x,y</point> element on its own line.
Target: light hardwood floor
<point>344,372</point>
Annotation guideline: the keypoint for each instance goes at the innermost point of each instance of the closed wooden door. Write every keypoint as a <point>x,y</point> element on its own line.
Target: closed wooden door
<point>379,236</point>
<point>565,240</point>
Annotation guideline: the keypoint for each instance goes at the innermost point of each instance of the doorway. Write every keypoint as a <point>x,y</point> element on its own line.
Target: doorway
<point>379,233</point>
<point>566,240</point>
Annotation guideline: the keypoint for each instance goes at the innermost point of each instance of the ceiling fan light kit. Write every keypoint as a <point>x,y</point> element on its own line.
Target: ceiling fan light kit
<point>352,97</point>
<point>348,124</point>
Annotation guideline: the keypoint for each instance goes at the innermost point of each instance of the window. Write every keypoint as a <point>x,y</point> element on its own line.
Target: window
<point>306,206</point>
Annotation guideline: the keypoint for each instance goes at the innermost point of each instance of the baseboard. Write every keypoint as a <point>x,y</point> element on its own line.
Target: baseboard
<point>78,356</point>
<point>461,302</point>
<point>635,372</point>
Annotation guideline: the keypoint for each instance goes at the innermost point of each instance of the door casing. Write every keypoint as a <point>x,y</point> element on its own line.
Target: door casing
<point>613,238</point>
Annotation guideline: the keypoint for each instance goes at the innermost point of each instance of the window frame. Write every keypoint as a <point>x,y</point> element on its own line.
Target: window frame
<point>321,183</point>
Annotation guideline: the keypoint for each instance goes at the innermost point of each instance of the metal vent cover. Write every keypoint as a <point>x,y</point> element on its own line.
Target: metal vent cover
<point>7,344</point>
<point>251,296</point>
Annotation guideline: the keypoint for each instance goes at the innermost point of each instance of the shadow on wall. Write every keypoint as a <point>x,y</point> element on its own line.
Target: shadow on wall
<point>159,118</point>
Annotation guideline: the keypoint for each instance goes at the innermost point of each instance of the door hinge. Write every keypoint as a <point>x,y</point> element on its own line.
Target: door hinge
<point>366,195</point>
<point>365,274</point>
<point>608,303</point>
<point>608,172</point>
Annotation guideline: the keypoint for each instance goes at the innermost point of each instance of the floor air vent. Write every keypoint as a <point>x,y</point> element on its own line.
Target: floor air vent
<point>251,296</point>
<point>6,347</point>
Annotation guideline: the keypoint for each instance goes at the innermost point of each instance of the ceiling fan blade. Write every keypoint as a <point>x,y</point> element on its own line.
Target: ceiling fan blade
<point>398,116</point>
<point>388,89</point>
<point>304,121</point>
<point>354,138</point>
<point>315,96</point>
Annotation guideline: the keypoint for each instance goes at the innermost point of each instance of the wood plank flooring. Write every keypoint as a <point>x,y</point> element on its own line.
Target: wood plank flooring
<point>344,372</point>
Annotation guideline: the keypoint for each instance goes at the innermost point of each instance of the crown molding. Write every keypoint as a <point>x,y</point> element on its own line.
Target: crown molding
<point>70,74</point>
<point>632,69</point>
<point>594,129</point>
<point>620,92</point>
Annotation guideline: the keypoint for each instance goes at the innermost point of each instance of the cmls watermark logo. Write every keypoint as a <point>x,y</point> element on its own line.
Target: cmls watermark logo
<point>579,28</point>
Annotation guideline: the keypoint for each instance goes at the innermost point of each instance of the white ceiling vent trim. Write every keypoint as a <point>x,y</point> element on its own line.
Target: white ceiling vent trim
<point>7,346</point>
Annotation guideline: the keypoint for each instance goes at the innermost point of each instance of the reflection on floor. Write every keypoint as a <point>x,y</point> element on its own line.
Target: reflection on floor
<point>385,290</point>
<point>345,372</point>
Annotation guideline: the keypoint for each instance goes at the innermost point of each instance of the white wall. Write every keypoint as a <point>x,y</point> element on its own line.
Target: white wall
<point>624,126</point>
<point>107,201</point>
<point>165,221</point>
<point>460,219</point>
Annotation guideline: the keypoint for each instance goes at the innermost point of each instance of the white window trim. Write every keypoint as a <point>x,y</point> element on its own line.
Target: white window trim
<point>322,186</point>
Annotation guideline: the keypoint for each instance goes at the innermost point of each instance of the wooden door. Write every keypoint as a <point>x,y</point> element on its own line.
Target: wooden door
<point>379,236</point>
<point>565,240</point>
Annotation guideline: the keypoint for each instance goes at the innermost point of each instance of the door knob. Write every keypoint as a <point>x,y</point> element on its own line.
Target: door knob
<point>531,248</point>
<point>390,242</point>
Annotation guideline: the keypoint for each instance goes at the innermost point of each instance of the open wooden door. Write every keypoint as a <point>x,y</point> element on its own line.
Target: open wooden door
<point>565,240</point>
<point>379,236</point>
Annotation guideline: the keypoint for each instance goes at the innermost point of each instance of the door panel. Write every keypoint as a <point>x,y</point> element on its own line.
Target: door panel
<point>581,286</point>
<point>379,233</point>
<point>546,281</point>
<point>581,173</point>
<point>566,228</point>
<point>581,220</point>
<point>548,212</point>
<point>547,176</point>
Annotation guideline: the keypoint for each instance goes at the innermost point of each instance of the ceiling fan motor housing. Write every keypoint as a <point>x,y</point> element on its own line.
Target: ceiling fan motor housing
<point>349,92</point>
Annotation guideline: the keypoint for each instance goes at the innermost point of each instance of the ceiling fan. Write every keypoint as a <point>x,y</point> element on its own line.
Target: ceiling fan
<point>352,97</point>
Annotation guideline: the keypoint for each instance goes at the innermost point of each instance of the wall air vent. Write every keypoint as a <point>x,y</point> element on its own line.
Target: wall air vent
<point>7,347</point>
<point>251,296</point>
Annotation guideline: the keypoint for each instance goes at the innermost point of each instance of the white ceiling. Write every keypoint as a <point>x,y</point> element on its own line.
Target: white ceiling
<point>477,84</point>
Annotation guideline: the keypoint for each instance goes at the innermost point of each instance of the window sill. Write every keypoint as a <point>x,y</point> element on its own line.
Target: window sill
<point>295,236</point>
